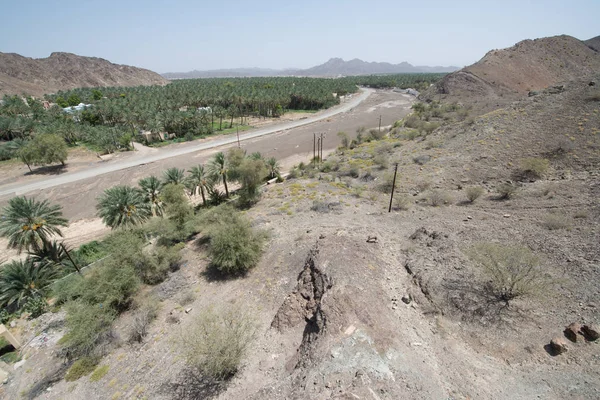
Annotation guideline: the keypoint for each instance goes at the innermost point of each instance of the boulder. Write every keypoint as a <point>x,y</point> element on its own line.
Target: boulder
<point>558,345</point>
<point>572,331</point>
<point>590,332</point>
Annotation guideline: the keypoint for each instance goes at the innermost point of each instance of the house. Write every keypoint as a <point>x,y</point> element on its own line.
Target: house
<point>78,107</point>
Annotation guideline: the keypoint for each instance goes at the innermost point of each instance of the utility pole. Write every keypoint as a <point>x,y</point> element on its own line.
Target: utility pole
<point>237,129</point>
<point>321,156</point>
<point>379,122</point>
<point>68,255</point>
<point>393,187</point>
<point>318,150</point>
<point>314,159</point>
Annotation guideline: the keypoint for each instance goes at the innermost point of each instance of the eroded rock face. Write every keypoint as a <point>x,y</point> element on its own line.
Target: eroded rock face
<point>572,331</point>
<point>590,332</point>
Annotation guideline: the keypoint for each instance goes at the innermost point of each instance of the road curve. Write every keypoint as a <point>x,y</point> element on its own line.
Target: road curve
<point>18,189</point>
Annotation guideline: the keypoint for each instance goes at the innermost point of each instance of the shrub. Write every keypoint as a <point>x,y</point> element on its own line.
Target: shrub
<point>216,342</point>
<point>421,160</point>
<point>110,285</point>
<point>580,214</point>
<point>506,191</point>
<point>513,271</point>
<point>250,174</point>
<point>402,202</point>
<point>88,327</point>
<point>142,317</point>
<point>387,181</point>
<point>344,140</point>
<point>153,265</point>
<point>533,168</point>
<point>437,198</point>
<point>473,193</point>
<point>83,366</point>
<point>35,306</point>
<point>99,373</point>
<point>375,134</point>
<point>423,185</point>
<point>234,247</point>
<point>382,161</point>
<point>554,222</point>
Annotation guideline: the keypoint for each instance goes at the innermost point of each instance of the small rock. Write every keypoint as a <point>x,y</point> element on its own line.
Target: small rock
<point>406,299</point>
<point>371,239</point>
<point>187,310</point>
<point>572,330</point>
<point>506,215</point>
<point>558,345</point>
<point>590,332</point>
<point>321,236</point>
<point>469,217</point>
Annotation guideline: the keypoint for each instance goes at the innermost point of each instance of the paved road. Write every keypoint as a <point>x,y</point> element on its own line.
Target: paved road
<point>17,189</point>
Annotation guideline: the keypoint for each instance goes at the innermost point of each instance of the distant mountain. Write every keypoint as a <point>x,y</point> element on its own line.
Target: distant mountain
<point>62,71</point>
<point>593,43</point>
<point>333,67</point>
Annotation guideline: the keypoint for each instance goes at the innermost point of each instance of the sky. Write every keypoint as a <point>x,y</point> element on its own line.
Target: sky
<point>178,36</point>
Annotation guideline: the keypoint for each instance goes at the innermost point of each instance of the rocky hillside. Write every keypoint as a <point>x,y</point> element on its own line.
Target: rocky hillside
<point>594,43</point>
<point>529,65</point>
<point>63,71</point>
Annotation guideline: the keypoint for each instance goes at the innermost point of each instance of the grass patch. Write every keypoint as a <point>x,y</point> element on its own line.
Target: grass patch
<point>99,373</point>
<point>82,367</point>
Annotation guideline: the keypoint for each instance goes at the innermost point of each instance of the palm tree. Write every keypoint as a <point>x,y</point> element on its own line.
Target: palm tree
<point>174,176</point>
<point>123,207</point>
<point>273,167</point>
<point>218,168</point>
<point>28,223</point>
<point>21,280</point>
<point>201,179</point>
<point>151,187</point>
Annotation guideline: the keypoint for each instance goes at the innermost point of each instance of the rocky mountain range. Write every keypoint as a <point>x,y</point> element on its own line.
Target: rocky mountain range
<point>62,71</point>
<point>333,67</point>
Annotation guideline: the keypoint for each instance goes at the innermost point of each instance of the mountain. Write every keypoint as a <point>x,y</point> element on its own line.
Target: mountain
<point>593,43</point>
<point>530,65</point>
<point>62,71</point>
<point>333,67</point>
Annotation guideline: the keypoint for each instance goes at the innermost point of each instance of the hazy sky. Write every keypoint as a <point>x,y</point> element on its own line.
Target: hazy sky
<point>168,36</point>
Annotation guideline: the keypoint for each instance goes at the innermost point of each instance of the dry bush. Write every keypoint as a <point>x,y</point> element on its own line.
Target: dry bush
<point>382,161</point>
<point>437,198</point>
<point>145,313</point>
<point>421,160</point>
<point>216,341</point>
<point>533,168</point>
<point>386,183</point>
<point>186,298</point>
<point>474,192</point>
<point>580,214</point>
<point>402,202</point>
<point>423,185</point>
<point>506,191</point>
<point>513,270</point>
<point>554,222</point>
<point>594,96</point>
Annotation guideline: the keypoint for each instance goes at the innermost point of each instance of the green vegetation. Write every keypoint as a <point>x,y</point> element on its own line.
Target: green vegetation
<point>506,191</point>
<point>44,149</point>
<point>123,207</point>
<point>99,373</point>
<point>216,342</point>
<point>514,271</point>
<point>82,367</point>
<point>533,168</point>
<point>28,223</point>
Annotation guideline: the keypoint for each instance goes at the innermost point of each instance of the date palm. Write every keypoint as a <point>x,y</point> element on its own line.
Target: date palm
<point>21,280</point>
<point>123,207</point>
<point>150,188</point>
<point>174,176</point>
<point>28,223</point>
<point>273,167</point>
<point>201,179</point>
<point>218,169</point>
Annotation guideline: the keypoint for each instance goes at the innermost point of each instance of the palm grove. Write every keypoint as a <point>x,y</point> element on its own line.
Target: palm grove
<point>150,222</point>
<point>184,109</point>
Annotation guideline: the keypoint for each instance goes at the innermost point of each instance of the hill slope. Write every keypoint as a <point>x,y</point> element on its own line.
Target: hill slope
<point>528,65</point>
<point>63,71</point>
<point>333,67</point>
<point>593,43</point>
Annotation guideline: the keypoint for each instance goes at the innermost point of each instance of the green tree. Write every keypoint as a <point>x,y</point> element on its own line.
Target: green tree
<point>44,149</point>
<point>151,187</point>
<point>273,167</point>
<point>218,169</point>
<point>177,206</point>
<point>21,281</point>
<point>173,176</point>
<point>250,174</point>
<point>28,223</point>
<point>73,100</point>
<point>96,95</point>
<point>201,180</point>
<point>123,207</point>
